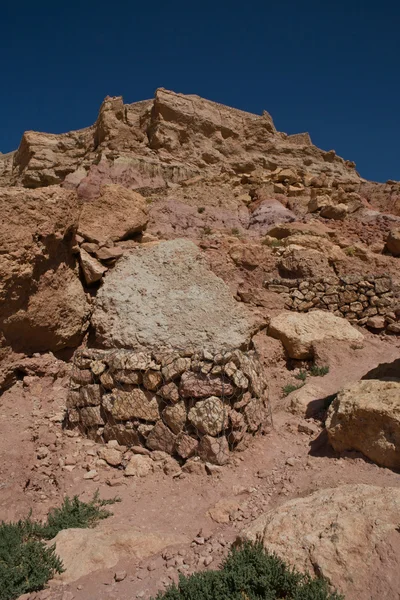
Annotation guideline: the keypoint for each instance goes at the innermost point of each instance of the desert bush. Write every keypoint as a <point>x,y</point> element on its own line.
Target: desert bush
<point>201,209</point>
<point>289,388</point>
<point>26,562</point>
<point>250,573</point>
<point>319,371</point>
<point>301,375</point>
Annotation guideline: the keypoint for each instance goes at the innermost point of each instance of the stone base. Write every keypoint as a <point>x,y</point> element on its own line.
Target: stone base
<point>185,403</point>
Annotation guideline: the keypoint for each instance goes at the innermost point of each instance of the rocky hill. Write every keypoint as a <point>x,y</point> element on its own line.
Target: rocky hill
<point>189,296</point>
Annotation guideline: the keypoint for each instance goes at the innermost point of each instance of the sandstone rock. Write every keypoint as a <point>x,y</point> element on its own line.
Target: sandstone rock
<point>42,303</point>
<point>124,435</point>
<point>298,332</point>
<point>365,416</point>
<point>393,242</point>
<point>175,417</point>
<point>161,438</point>
<point>209,416</point>
<point>139,466</point>
<point>170,392</point>
<point>256,414</point>
<point>335,211</point>
<point>92,270</point>
<point>214,450</point>
<point>318,202</point>
<point>115,215</point>
<point>84,551</point>
<point>308,401</point>
<point>112,456</point>
<point>136,404</point>
<point>186,446</point>
<point>175,368</point>
<point>91,416</point>
<point>197,385</point>
<point>268,213</point>
<point>376,322</point>
<point>341,533</point>
<point>152,380</point>
<point>109,254</point>
<point>171,281</point>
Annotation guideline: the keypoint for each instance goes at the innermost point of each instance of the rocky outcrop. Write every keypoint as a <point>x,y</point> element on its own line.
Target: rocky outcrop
<point>299,332</point>
<point>343,533</point>
<point>365,416</point>
<point>166,295</point>
<point>393,242</point>
<point>42,302</point>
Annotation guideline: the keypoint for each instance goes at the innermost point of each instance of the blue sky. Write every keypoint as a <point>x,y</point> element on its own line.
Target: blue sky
<point>330,68</point>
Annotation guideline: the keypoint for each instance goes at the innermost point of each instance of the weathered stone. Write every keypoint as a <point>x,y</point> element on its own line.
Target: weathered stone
<point>97,367</point>
<point>139,466</point>
<point>186,446</point>
<point>127,377</point>
<point>256,414</point>
<point>172,281</point>
<point>93,271</point>
<point>376,322</point>
<point>209,416</point>
<point>108,254</point>
<point>175,368</point>
<point>240,380</point>
<point>112,456</point>
<point>299,332</point>
<point>382,285</point>
<point>214,450</point>
<point>375,404</point>
<point>152,380</point>
<point>116,214</point>
<point>175,417</point>
<point>124,434</point>
<point>82,376</point>
<point>91,416</point>
<point>169,392</point>
<point>336,211</point>
<point>197,385</point>
<point>161,438</point>
<point>341,533</point>
<point>107,380</point>
<point>393,242</point>
<point>130,361</point>
<point>136,404</point>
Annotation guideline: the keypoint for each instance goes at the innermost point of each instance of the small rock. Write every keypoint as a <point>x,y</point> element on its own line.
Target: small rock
<point>291,461</point>
<point>90,474</point>
<point>120,575</point>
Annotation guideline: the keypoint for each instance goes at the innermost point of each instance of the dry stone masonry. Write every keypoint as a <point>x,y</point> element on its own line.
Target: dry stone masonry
<point>173,367</point>
<point>368,300</point>
<point>185,404</point>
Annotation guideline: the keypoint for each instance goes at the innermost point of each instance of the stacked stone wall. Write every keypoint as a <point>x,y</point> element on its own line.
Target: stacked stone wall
<point>365,300</point>
<point>186,404</point>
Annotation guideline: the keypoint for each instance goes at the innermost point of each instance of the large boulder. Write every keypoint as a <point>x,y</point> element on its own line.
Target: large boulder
<point>393,242</point>
<point>365,416</point>
<point>42,303</point>
<point>116,214</point>
<point>299,332</point>
<point>84,551</point>
<point>166,296</point>
<point>348,534</point>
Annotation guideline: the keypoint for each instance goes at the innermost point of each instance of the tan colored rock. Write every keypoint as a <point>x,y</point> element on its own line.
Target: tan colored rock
<point>112,456</point>
<point>393,242</point>
<point>318,202</point>
<point>365,416</point>
<point>93,271</point>
<point>136,404</point>
<point>335,211</point>
<point>224,510</point>
<point>152,380</point>
<point>161,438</point>
<point>342,533</point>
<point>84,551</point>
<point>298,332</point>
<point>42,302</point>
<point>175,368</point>
<point>186,446</point>
<point>209,416</point>
<point>197,385</point>
<point>214,450</point>
<point>115,215</point>
<point>170,392</point>
<point>376,322</point>
<point>91,416</point>
<point>175,417</point>
<point>139,466</point>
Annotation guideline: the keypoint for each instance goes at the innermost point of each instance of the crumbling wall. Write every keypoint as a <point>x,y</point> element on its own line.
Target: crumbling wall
<point>365,300</point>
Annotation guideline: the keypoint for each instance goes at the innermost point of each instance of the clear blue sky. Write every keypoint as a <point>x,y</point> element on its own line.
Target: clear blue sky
<point>330,68</point>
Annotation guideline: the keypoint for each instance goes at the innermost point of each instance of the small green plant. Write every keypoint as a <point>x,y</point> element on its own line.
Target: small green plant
<point>288,389</point>
<point>235,231</point>
<point>350,251</point>
<point>207,230</point>
<point>26,562</point>
<point>301,375</point>
<point>250,573</point>
<point>201,209</point>
<point>149,200</point>
<point>319,371</point>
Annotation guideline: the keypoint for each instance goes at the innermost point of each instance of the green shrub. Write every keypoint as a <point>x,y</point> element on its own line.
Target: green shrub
<point>250,573</point>
<point>288,389</point>
<point>302,375</point>
<point>207,230</point>
<point>235,231</point>
<point>319,371</point>
<point>201,209</point>
<point>26,563</point>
